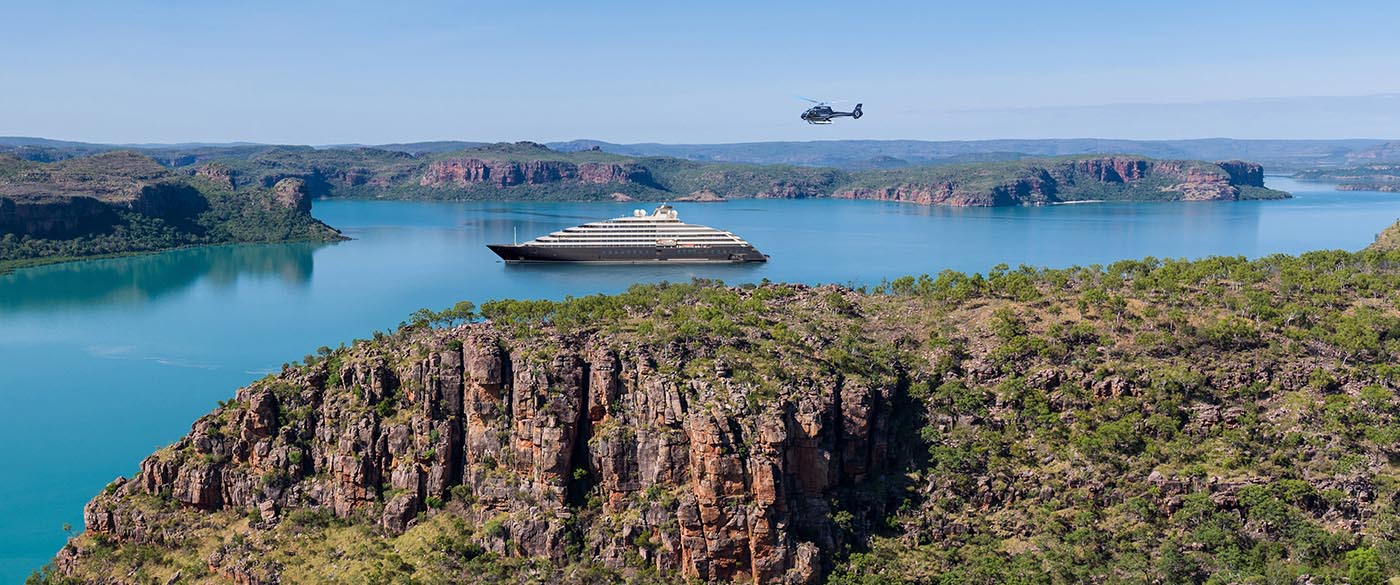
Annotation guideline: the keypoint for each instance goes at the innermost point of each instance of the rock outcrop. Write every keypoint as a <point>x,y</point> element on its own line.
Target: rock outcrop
<point>725,492</point>
<point>702,196</point>
<point>218,174</point>
<point>1244,173</point>
<point>464,172</point>
<point>292,194</point>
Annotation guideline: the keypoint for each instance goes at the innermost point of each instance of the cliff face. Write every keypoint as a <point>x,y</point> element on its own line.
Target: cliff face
<point>1075,179</point>
<point>292,194</point>
<point>953,429</point>
<point>723,492</point>
<point>464,172</point>
<point>83,196</point>
<point>1244,173</point>
<point>55,217</point>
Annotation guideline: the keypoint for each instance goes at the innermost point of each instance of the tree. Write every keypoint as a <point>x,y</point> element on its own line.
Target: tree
<point>1364,567</point>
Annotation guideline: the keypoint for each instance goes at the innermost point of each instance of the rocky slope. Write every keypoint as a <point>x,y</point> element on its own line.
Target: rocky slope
<point>124,202</point>
<point>1146,422</point>
<point>1388,240</point>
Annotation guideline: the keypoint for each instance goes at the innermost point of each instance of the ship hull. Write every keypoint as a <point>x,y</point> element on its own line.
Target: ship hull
<point>524,253</point>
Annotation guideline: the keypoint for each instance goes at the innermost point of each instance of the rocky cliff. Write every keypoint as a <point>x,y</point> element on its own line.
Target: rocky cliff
<point>952,429</point>
<point>1039,182</point>
<point>562,442</point>
<point>123,202</point>
<point>54,217</point>
<point>465,172</point>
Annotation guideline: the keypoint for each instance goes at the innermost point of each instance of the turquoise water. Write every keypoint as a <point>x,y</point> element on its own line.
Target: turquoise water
<point>102,362</point>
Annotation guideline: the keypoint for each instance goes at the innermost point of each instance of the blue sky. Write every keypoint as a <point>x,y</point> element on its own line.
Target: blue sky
<point>720,71</point>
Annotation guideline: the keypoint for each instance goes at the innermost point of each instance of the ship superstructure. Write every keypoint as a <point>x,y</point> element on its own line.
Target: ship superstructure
<point>656,237</point>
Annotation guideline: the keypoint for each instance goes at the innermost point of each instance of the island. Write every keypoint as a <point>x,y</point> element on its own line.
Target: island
<point>115,202</point>
<point>1383,177</point>
<point>1151,420</point>
<point>121,202</point>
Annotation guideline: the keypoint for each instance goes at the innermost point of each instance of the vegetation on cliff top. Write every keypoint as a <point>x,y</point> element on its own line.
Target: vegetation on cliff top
<point>121,203</point>
<point>1218,421</point>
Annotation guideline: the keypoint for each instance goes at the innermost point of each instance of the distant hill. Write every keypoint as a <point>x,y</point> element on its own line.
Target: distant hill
<point>530,171</point>
<point>1289,154</point>
<point>1369,177</point>
<point>843,154</point>
<point>1380,153</point>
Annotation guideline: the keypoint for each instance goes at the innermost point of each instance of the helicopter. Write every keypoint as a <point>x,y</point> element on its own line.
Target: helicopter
<point>822,113</point>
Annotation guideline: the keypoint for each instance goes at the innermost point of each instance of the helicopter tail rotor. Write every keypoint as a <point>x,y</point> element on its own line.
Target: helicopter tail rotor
<point>856,113</point>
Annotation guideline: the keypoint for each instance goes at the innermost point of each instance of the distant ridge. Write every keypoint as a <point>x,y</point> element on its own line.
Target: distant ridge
<point>853,154</point>
<point>1279,155</point>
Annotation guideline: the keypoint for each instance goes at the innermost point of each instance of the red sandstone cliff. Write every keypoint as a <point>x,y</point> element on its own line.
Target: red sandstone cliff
<point>723,491</point>
<point>463,172</point>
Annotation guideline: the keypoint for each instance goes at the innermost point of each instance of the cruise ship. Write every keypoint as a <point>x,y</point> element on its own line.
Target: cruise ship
<point>640,238</point>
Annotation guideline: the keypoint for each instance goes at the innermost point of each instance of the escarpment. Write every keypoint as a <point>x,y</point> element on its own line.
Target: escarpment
<point>1147,421</point>
<point>564,444</point>
<point>464,172</point>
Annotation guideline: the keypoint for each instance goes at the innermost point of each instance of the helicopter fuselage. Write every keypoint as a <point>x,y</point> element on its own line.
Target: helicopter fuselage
<point>823,114</point>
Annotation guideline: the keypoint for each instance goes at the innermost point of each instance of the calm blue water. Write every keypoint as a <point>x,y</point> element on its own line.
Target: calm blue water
<point>102,362</point>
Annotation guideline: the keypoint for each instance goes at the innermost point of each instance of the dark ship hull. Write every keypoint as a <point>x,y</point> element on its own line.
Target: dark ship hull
<point>522,253</point>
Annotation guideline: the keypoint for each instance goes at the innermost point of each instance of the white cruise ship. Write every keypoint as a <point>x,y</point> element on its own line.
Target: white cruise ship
<point>656,237</point>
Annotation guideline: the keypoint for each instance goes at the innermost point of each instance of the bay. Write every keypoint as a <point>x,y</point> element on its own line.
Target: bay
<point>102,362</point>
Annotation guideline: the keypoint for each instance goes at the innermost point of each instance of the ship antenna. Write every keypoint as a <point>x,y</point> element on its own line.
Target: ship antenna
<point>515,235</point>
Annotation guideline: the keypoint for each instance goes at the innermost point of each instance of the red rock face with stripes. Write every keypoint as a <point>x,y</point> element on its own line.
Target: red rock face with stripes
<point>692,477</point>
<point>463,172</point>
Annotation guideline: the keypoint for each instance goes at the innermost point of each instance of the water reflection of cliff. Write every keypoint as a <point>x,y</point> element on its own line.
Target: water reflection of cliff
<point>145,278</point>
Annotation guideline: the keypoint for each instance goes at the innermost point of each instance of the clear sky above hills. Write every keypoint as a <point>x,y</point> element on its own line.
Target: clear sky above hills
<point>716,71</point>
